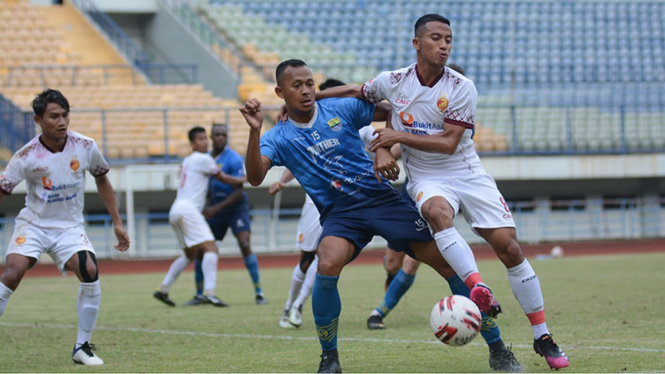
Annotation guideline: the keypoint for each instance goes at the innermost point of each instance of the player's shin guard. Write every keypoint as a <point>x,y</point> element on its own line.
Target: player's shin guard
<point>396,290</point>
<point>489,329</point>
<point>87,307</point>
<point>5,292</point>
<point>458,254</point>
<point>209,267</point>
<point>252,265</point>
<point>326,306</point>
<point>526,288</point>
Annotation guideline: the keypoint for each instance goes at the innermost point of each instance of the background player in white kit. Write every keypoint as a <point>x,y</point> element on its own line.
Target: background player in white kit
<point>187,219</point>
<point>445,172</point>
<point>53,164</point>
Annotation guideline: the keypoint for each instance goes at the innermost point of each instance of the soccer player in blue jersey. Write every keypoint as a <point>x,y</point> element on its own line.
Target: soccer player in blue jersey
<point>228,207</point>
<point>320,145</point>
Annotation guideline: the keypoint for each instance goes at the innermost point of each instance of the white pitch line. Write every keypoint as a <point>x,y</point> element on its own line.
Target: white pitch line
<point>288,337</point>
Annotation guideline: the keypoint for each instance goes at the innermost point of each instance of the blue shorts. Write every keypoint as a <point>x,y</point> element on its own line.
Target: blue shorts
<point>397,221</point>
<point>238,220</point>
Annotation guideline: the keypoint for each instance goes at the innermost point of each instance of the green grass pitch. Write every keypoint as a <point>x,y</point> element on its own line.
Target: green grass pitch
<point>605,311</point>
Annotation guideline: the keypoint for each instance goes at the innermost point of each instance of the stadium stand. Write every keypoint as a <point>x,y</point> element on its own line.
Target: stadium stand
<point>539,93</point>
<point>111,102</point>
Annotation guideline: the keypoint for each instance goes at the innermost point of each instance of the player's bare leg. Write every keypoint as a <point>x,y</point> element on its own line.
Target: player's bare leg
<point>15,268</point>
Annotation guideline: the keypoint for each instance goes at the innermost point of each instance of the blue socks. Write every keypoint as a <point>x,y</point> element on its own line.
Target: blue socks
<point>398,287</point>
<point>326,306</point>
<point>198,277</point>
<point>489,329</point>
<point>252,265</point>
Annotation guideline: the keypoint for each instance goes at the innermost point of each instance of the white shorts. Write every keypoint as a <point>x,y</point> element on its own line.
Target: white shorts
<point>32,241</point>
<point>478,197</point>
<point>189,225</point>
<point>309,227</point>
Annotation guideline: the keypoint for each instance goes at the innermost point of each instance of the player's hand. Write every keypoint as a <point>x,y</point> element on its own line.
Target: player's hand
<point>283,114</point>
<point>385,165</point>
<point>253,113</point>
<point>385,138</point>
<point>123,238</point>
<point>276,187</point>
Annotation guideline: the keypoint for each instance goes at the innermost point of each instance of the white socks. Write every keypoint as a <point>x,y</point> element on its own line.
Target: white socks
<point>5,292</point>
<point>526,287</point>
<point>209,267</point>
<point>87,307</point>
<point>297,279</point>
<point>456,252</point>
<point>176,268</point>
<point>310,277</point>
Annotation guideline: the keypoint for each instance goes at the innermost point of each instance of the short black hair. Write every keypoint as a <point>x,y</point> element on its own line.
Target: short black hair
<point>212,128</point>
<point>422,21</point>
<point>331,82</point>
<point>457,68</point>
<point>294,63</point>
<point>43,99</point>
<point>193,131</point>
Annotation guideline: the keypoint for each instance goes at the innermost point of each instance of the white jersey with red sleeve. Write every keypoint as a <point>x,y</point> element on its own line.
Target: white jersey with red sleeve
<point>194,178</point>
<point>422,109</point>
<point>55,180</point>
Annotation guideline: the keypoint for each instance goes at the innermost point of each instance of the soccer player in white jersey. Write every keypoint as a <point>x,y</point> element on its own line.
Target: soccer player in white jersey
<point>53,164</point>
<point>433,117</point>
<point>187,219</point>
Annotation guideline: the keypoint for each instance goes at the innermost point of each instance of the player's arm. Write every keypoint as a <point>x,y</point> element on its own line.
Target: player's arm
<point>348,90</point>
<point>233,198</point>
<point>286,177</point>
<point>230,179</point>
<point>445,142</point>
<point>256,165</point>
<point>107,194</point>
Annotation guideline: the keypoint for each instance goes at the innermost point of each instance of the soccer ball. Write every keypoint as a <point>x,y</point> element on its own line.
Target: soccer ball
<point>455,320</point>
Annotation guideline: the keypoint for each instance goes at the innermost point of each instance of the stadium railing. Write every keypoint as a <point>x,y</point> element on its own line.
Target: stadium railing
<point>273,230</point>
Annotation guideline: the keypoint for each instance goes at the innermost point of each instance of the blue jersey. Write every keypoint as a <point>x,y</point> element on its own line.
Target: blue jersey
<point>230,163</point>
<point>327,156</point>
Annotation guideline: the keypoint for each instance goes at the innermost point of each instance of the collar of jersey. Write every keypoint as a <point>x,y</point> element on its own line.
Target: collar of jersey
<point>310,123</point>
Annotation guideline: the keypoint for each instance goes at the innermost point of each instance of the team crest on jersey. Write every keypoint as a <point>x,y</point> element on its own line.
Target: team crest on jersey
<point>335,124</point>
<point>74,164</point>
<point>20,240</point>
<point>419,196</point>
<point>442,103</point>
<point>47,183</point>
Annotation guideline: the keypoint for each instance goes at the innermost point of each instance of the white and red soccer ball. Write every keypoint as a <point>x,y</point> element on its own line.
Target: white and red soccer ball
<point>455,320</point>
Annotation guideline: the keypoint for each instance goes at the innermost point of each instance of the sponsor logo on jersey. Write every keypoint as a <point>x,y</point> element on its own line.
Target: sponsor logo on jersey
<point>74,164</point>
<point>419,196</point>
<point>417,126</point>
<point>322,147</point>
<point>403,101</point>
<point>47,183</point>
<point>335,124</point>
<point>40,169</point>
<point>301,238</point>
<point>337,184</point>
<point>442,103</point>
<point>20,240</point>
